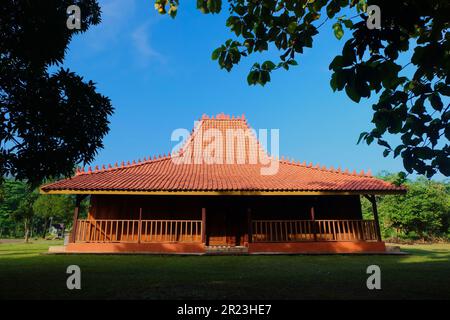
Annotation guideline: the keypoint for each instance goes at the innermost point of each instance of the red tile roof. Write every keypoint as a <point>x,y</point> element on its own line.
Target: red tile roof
<point>165,174</point>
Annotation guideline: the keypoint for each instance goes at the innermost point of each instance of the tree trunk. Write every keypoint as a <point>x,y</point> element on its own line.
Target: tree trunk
<point>44,232</point>
<point>27,230</point>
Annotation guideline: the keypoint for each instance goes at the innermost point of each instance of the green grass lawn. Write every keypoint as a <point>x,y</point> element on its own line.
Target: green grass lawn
<point>27,273</point>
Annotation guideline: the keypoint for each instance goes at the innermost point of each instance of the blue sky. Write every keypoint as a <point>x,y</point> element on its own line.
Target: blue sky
<point>159,75</point>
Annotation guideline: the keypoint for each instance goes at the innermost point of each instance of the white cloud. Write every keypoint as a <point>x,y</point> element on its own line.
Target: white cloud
<point>141,42</point>
<point>115,16</point>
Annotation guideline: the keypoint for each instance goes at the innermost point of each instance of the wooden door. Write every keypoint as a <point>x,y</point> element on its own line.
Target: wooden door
<point>216,228</point>
<point>225,227</point>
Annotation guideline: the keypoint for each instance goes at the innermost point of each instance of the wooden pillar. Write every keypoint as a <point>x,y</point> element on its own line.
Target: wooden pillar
<point>313,219</point>
<point>75,218</point>
<point>140,225</point>
<point>204,225</point>
<point>373,200</point>
<point>250,227</point>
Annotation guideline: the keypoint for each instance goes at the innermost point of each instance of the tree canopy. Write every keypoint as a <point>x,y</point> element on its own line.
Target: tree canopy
<point>51,118</point>
<point>423,212</point>
<point>23,211</point>
<point>406,62</point>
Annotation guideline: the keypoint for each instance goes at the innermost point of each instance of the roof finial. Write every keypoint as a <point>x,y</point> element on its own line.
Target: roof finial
<point>103,167</point>
<point>369,173</point>
<point>362,174</point>
<point>89,170</point>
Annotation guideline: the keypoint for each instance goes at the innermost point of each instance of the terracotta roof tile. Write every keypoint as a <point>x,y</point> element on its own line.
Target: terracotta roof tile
<point>165,174</point>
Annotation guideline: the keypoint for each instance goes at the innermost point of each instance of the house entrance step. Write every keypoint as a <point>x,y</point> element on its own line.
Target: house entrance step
<point>226,250</point>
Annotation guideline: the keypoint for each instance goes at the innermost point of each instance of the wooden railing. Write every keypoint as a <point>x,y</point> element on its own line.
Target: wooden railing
<point>138,231</point>
<point>308,230</point>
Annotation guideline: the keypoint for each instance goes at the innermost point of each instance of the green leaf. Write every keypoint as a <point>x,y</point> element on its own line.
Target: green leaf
<point>436,101</point>
<point>268,65</point>
<point>292,26</point>
<point>173,11</point>
<point>216,53</point>
<point>214,5</point>
<point>362,136</point>
<point>338,31</point>
<point>384,143</point>
<point>337,63</point>
<point>264,77</point>
<point>261,45</point>
<point>348,23</point>
<point>352,93</point>
<point>253,77</point>
<point>398,149</point>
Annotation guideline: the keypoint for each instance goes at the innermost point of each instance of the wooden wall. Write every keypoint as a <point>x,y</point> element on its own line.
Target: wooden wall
<point>226,216</point>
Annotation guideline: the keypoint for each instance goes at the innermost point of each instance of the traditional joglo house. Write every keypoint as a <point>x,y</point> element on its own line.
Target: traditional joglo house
<point>197,201</point>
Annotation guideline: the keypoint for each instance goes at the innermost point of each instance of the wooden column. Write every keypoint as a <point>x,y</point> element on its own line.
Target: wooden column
<point>140,225</point>
<point>75,218</point>
<point>204,225</point>
<point>250,227</point>
<point>313,219</point>
<point>373,201</point>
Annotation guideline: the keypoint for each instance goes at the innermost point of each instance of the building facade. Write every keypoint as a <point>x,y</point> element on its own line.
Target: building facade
<point>211,195</point>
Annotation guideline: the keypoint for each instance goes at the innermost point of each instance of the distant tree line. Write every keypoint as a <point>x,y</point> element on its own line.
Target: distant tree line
<point>26,213</point>
<point>422,214</point>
